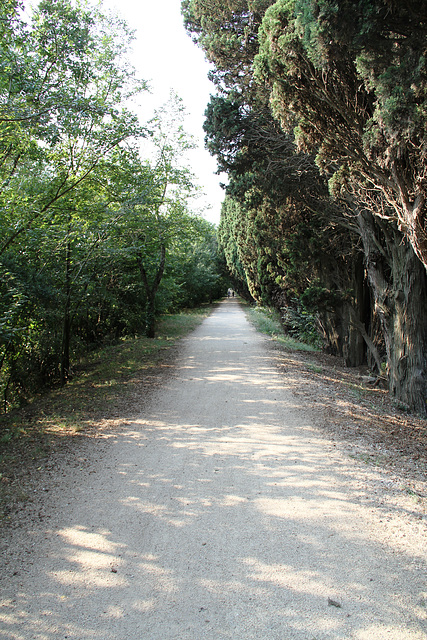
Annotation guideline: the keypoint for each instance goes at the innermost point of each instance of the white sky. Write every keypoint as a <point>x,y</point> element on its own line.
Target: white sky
<point>165,56</point>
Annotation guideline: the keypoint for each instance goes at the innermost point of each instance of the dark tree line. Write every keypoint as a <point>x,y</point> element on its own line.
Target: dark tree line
<point>319,120</point>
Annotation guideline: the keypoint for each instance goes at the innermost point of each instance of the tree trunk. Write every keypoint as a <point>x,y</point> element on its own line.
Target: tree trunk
<point>151,290</point>
<point>150,317</point>
<point>408,355</point>
<point>343,323</point>
<point>66,328</point>
<point>399,285</point>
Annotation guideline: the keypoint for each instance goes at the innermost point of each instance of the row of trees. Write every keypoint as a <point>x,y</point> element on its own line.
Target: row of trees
<point>320,123</point>
<point>96,236</point>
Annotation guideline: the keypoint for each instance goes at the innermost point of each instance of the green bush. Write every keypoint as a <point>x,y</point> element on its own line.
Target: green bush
<point>300,324</point>
<point>268,321</point>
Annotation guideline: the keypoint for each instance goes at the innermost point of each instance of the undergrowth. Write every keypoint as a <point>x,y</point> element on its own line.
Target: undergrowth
<point>268,321</point>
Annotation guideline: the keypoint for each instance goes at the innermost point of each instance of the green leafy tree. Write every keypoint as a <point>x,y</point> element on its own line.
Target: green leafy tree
<point>269,177</point>
<point>62,90</point>
<point>157,208</point>
<point>64,78</point>
<point>199,273</point>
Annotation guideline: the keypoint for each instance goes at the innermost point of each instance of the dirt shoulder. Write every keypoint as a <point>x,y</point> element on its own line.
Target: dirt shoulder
<point>34,463</point>
<point>361,417</point>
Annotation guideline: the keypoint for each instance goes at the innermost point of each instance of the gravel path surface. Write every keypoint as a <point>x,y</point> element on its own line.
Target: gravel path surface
<point>221,513</point>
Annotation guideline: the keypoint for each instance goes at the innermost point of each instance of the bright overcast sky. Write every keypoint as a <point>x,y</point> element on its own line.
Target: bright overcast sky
<point>165,56</point>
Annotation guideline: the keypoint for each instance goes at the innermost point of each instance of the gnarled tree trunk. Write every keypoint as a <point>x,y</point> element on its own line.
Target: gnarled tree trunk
<point>399,286</point>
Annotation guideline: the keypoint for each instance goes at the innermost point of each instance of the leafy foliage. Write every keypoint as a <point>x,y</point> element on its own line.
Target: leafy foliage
<point>85,217</point>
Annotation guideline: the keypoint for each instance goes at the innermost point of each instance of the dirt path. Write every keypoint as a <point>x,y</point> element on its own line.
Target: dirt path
<point>221,513</point>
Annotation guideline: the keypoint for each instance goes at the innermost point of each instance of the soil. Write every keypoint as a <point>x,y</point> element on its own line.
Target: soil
<point>381,448</point>
<point>356,409</point>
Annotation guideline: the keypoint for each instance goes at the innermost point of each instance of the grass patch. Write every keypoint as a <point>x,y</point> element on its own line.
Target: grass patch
<point>106,374</point>
<point>267,321</point>
<point>104,384</point>
<point>415,495</point>
<point>375,460</point>
<point>314,368</point>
